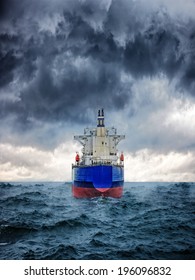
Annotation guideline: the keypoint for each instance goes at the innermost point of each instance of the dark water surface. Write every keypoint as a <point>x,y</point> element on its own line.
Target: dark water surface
<point>150,221</point>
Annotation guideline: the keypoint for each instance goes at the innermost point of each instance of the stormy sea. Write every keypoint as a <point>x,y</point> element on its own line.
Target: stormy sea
<point>150,221</point>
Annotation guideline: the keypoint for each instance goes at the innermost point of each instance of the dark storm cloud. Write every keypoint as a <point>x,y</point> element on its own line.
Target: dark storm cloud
<point>4,8</point>
<point>49,100</point>
<point>8,63</point>
<point>151,53</point>
<point>80,63</point>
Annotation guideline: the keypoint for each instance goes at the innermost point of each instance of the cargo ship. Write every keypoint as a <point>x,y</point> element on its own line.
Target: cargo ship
<point>99,171</point>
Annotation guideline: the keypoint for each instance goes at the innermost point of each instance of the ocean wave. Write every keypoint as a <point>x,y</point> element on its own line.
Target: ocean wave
<point>55,253</point>
<point>150,221</point>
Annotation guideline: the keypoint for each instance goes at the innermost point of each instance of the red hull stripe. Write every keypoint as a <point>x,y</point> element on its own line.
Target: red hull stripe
<point>80,192</point>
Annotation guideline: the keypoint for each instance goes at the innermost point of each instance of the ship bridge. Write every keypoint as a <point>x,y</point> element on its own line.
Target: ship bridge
<point>99,144</point>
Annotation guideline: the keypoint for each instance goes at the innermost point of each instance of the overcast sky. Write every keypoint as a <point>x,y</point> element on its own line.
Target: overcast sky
<point>62,60</point>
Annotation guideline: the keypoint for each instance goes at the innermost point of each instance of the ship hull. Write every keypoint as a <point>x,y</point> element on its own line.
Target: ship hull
<point>98,180</point>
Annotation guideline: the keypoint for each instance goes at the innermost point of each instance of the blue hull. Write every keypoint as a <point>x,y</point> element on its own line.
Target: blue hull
<point>98,180</point>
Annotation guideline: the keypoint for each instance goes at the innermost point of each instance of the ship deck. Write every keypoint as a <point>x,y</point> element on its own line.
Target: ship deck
<point>97,164</point>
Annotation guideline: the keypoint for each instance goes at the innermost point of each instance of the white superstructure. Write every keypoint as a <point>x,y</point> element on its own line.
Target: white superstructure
<point>99,143</point>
